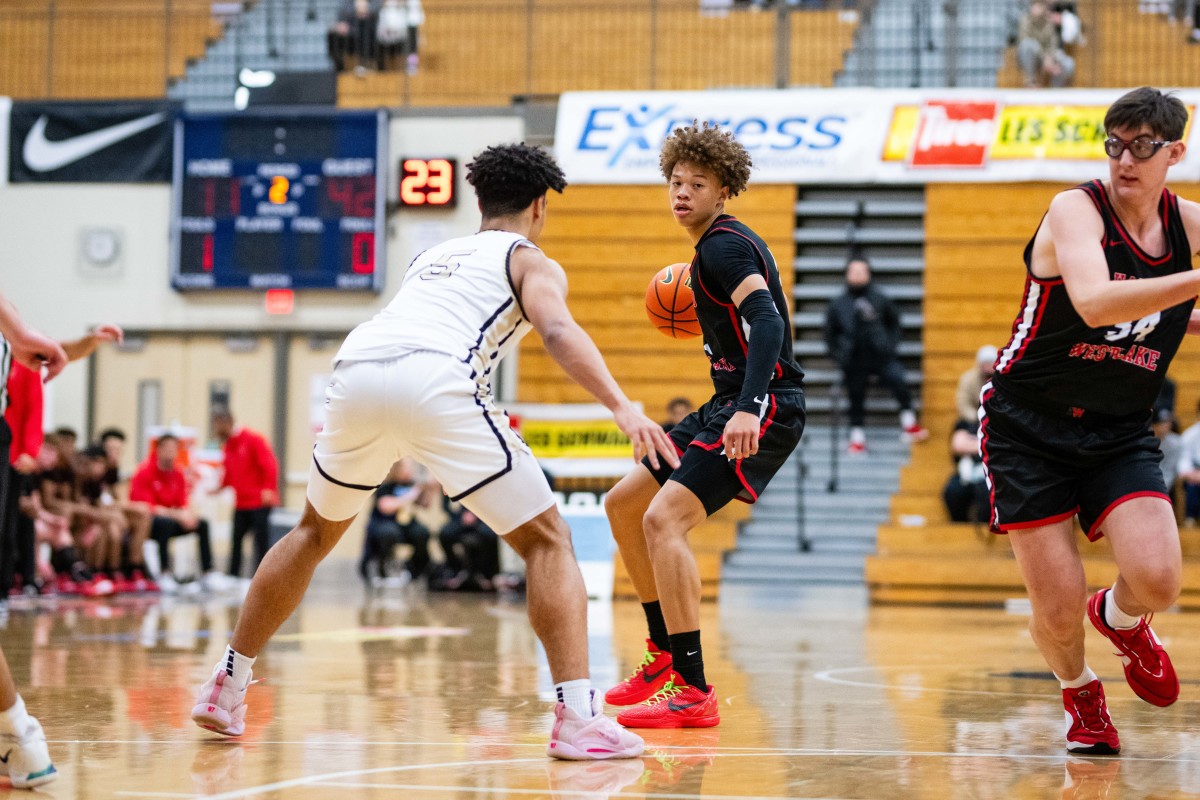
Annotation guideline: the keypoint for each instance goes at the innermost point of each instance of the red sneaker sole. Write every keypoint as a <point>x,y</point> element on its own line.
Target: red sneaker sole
<point>671,722</point>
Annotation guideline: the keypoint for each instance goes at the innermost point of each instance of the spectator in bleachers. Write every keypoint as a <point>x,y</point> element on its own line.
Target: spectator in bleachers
<point>472,551</point>
<point>251,470</point>
<point>1040,51</point>
<point>1189,471</point>
<point>862,334</point>
<point>106,524</point>
<point>970,384</point>
<point>966,493</point>
<point>137,515</point>
<point>163,486</point>
<point>354,35</point>
<point>398,34</point>
<point>677,410</point>
<point>1069,26</point>
<point>393,523</point>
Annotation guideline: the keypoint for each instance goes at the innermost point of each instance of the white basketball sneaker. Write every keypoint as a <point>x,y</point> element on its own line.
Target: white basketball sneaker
<point>27,759</point>
<point>576,739</point>
<point>220,705</point>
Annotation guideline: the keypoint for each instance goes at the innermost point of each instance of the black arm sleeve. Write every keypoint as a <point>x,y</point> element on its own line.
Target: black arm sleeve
<point>762,351</point>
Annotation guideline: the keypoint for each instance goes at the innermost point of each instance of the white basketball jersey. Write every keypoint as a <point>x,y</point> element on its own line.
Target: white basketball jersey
<point>456,298</point>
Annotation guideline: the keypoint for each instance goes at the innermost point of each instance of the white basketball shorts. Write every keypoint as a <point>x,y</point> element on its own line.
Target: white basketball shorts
<point>426,406</point>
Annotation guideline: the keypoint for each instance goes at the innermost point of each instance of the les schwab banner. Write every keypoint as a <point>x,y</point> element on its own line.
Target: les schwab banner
<point>855,135</point>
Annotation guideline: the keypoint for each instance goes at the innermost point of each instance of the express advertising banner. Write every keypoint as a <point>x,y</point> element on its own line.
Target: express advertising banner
<point>856,135</point>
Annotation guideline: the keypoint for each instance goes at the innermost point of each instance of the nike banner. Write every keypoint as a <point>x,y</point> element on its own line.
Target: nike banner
<point>120,142</point>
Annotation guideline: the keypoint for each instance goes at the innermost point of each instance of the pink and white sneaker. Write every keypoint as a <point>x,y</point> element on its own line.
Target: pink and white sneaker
<point>220,706</point>
<point>576,739</point>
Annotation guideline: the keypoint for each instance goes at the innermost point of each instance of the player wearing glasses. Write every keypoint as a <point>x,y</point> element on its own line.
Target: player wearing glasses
<point>1065,421</point>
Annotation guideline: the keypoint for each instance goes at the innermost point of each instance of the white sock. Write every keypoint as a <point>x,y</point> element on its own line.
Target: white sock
<point>237,666</point>
<point>858,436</point>
<point>15,721</point>
<point>1114,616</point>
<point>1086,677</point>
<point>577,695</point>
<point>908,419</point>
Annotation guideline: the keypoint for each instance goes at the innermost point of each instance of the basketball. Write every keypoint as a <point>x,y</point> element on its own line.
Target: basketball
<point>670,304</point>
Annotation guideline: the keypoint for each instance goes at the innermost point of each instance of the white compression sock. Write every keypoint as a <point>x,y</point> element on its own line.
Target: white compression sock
<point>1114,616</point>
<point>15,721</point>
<point>1086,677</point>
<point>577,695</point>
<point>237,666</point>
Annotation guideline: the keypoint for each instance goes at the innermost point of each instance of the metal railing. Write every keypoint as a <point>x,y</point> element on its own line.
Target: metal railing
<point>473,50</point>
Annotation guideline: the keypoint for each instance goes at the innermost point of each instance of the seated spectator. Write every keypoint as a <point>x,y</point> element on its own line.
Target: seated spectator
<point>137,515</point>
<point>107,536</point>
<point>1189,471</point>
<point>677,409</point>
<point>966,493</point>
<point>54,504</point>
<point>392,523</point>
<point>162,485</point>
<point>472,551</point>
<point>353,35</point>
<point>1166,429</point>
<point>970,384</point>
<point>397,35</point>
<point>1040,52</point>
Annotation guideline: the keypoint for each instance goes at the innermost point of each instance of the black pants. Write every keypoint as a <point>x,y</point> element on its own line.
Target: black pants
<point>245,520</point>
<point>966,502</point>
<point>471,548</point>
<point>164,529</point>
<point>382,539</point>
<point>891,375</point>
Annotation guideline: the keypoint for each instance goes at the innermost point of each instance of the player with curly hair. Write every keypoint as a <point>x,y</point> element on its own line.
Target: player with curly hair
<point>415,381</point>
<point>730,448</point>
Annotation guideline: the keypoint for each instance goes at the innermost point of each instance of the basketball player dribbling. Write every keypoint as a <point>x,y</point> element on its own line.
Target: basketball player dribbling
<point>415,381</point>
<point>729,448</point>
<point>1065,421</point>
<point>25,758</point>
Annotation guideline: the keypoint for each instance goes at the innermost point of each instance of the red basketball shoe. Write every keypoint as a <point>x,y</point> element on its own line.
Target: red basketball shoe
<point>1148,668</point>
<point>1089,729</point>
<point>651,676</point>
<point>676,705</point>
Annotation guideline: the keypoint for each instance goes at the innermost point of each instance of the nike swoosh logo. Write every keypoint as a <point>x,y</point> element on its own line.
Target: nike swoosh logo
<point>4,758</point>
<point>673,706</point>
<point>43,155</point>
<point>650,677</point>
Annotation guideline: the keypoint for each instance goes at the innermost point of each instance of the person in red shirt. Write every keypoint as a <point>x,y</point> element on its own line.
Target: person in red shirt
<point>253,473</point>
<point>163,486</point>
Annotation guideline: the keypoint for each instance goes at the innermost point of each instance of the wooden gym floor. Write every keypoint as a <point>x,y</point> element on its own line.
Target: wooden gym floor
<point>413,695</point>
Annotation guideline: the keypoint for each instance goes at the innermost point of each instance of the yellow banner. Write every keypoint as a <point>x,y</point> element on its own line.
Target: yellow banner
<point>1023,132</point>
<point>576,439</point>
<point>1074,133</point>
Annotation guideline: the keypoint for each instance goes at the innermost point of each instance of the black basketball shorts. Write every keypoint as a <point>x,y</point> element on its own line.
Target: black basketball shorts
<point>1044,468</point>
<point>705,470</point>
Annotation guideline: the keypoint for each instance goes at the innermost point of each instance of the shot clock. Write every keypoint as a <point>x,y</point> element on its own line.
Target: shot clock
<point>428,182</point>
<point>279,201</point>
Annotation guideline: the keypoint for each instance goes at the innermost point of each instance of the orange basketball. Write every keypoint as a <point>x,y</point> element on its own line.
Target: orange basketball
<point>670,304</point>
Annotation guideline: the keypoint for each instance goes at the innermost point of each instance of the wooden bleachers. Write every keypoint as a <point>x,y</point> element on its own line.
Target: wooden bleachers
<point>79,50</point>
<point>484,57</point>
<point>974,276</point>
<point>1123,48</point>
<point>611,240</point>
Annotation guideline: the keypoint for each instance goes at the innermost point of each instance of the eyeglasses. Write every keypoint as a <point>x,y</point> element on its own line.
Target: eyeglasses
<point>1141,147</point>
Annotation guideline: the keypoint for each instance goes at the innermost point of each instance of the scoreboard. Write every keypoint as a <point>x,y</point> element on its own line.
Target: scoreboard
<point>279,201</point>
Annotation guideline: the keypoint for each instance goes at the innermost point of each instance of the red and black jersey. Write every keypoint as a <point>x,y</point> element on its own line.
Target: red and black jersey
<point>1054,361</point>
<point>727,254</point>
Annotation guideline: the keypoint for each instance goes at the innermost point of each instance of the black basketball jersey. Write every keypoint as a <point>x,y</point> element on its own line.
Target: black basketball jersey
<point>1055,361</point>
<point>726,254</point>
